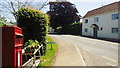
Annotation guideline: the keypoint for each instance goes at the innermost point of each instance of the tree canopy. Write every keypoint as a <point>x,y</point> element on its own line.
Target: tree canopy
<point>62,13</point>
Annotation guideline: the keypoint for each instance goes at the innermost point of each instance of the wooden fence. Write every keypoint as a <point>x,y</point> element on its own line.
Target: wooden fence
<point>32,59</point>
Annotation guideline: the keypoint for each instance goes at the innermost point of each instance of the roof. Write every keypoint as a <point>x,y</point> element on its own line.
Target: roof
<point>106,8</point>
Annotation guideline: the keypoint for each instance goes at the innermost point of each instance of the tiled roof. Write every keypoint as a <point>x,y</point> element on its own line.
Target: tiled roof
<point>106,8</point>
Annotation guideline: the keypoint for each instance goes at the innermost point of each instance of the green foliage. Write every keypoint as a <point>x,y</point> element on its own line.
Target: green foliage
<point>47,59</point>
<point>2,21</point>
<point>58,29</point>
<point>13,23</point>
<point>62,13</point>
<point>75,29</point>
<point>32,43</point>
<point>34,24</point>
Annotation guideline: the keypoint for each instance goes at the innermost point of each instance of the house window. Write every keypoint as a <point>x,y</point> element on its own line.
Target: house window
<point>86,20</point>
<point>96,19</point>
<point>86,30</point>
<point>114,30</point>
<point>115,16</point>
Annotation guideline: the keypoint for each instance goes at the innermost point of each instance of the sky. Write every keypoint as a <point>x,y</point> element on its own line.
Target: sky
<point>83,6</point>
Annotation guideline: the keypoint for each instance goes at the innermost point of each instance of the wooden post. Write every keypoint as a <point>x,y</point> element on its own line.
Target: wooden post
<point>51,47</point>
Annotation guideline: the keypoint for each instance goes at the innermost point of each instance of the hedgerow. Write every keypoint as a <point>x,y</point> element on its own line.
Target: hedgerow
<point>34,24</point>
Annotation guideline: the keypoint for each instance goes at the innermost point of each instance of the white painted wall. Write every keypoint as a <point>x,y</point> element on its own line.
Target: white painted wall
<point>105,21</point>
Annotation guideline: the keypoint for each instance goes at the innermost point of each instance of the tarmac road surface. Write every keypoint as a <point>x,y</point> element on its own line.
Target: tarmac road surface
<point>94,52</point>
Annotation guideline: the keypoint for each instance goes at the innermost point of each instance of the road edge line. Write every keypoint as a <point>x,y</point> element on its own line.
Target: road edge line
<point>109,59</point>
<point>80,55</point>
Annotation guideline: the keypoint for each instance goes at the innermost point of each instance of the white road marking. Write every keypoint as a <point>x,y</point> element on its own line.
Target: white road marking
<point>111,64</point>
<point>80,55</point>
<point>109,59</point>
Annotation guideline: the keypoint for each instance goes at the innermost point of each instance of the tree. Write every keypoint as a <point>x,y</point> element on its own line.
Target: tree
<point>62,14</point>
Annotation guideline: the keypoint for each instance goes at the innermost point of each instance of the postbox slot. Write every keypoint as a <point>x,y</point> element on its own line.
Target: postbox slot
<point>18,39</point>
<point>19,36</point>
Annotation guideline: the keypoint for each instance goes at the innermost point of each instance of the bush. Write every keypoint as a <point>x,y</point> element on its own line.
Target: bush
<point>34,24</point>
<point>58,29</point>
<point>75,29</point>
<point>32,43</point>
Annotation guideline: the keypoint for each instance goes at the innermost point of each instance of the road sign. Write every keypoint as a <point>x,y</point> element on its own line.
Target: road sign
<point>51,42</point>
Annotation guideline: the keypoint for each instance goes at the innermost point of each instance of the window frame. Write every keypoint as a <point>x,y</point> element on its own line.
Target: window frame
<point>96,19</point>
<point>86,20</point>
<point>86,30</point>
<point>114,30</point>
<point>115,16</point>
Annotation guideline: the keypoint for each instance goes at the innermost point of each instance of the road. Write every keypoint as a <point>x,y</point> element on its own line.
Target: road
<point>93,51</point>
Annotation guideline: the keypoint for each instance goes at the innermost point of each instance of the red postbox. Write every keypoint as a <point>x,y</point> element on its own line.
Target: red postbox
<point>11,46</point>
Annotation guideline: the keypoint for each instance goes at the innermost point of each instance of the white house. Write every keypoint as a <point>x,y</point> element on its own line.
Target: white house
<point>103,22</point>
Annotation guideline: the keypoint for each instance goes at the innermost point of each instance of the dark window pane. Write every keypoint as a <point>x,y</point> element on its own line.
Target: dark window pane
<point>115,16</point>
<point>114,30</point>
<point>86,20</point>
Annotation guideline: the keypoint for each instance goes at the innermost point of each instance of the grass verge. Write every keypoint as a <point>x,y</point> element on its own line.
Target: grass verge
<point>47,59</point>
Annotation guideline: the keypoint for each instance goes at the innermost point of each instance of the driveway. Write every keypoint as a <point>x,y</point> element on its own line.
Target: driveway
<point>94,52</point>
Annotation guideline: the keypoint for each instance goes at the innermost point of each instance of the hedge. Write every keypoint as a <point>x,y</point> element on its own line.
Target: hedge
<point>74,29</point>
<point>34,24</point>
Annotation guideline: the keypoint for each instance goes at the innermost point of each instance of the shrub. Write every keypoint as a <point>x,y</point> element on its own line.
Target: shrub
<point>58,29</point>
<point>32,43</point>
<point>34,24</point>
<point>75,29</point>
